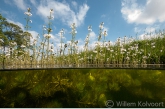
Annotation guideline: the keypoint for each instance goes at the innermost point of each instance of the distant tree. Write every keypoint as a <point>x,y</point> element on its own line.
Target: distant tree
<point>14,35</point>
<point>2,20</point>
<point>3,38</point>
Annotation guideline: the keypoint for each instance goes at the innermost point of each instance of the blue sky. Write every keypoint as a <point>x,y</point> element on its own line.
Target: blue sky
<point>121,17</point>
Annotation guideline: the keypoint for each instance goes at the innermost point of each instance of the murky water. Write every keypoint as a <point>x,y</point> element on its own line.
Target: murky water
<point>82,88</point>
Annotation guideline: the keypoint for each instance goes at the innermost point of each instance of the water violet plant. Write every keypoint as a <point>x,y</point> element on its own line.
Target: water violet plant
<point>33,53</point>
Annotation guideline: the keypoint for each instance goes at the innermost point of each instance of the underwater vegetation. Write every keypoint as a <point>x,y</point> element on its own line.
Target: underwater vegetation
<point>79,87</point>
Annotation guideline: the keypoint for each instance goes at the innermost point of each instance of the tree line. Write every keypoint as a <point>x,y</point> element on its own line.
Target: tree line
<point>12,35</point>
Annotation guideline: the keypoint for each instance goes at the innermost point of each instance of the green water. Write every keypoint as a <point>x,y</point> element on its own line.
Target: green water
<point>81,88</point>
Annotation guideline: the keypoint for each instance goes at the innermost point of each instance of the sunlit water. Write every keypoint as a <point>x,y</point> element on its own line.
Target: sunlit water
<point>82,88</point>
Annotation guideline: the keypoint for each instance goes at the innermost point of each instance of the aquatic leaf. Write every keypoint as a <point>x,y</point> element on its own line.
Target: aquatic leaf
<point>52,104</point>
<point>80,86</point>
<point>91,77</point>
<point>136,83</point>
<point>20,77</point>
<point>114,86</point>
<point>21,96</point>
<point>3,82</point>
<point>101,100</point>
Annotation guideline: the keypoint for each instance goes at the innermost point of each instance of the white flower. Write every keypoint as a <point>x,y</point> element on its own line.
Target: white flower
<point>111,50</point>
<point>28,13</point>
<point>87,39</point>
<point>52,46</point>
<point>44,27</point>
<point>13,43</point>
<point>95,51</point>
<point>152,43</point>
<point>1,41</point>
<point>105,33</point>
<point>122,52</point>
<point>51,10</point>
<point>61,33</point>
<point>122,49</point>
<point>125,37</point>
<point>99,37</point>
<point>31,44</point>
<point>30,21</point>
<point>101,25</point>
<point>29,9</point>
<point>7,54</point>
<point>47,35</point>
<point>144,57</point>
<point>35,41</point>
<point>73,26</point>
<point>140,52</point>
<point>23,46</point>
<point>51,50</point>
<point>127,58</point>
<point>76,42</point>
<point>89,28</point>
<point>73,31</point>
<point>98,43</point>
<point>51,17</point>
<point>42,43</point>
<point>118,39</point>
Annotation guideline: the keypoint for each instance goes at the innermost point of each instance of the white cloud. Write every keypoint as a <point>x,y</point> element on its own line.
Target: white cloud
<point>92,40</point>
<point>151,12</point>
<point>103,16</point>
<point>55,38</point>
<point>56,41</point>
<point>20,4</point>
<point>93,35</point>
<point>33,33</point>
<point>9,14</point>
<point>106,29</point>
<point>33,2</point>
<point>17,23</point>
<point>74,4</point>
<point>147,33</point>
<point>8,2</point>
<point>81,14</point>
<point>146,36</point>
<point>148,29</point>
<point>81,42</point>
<point>137,30</point>
<point>92,45</point>
<point>62,11</point>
